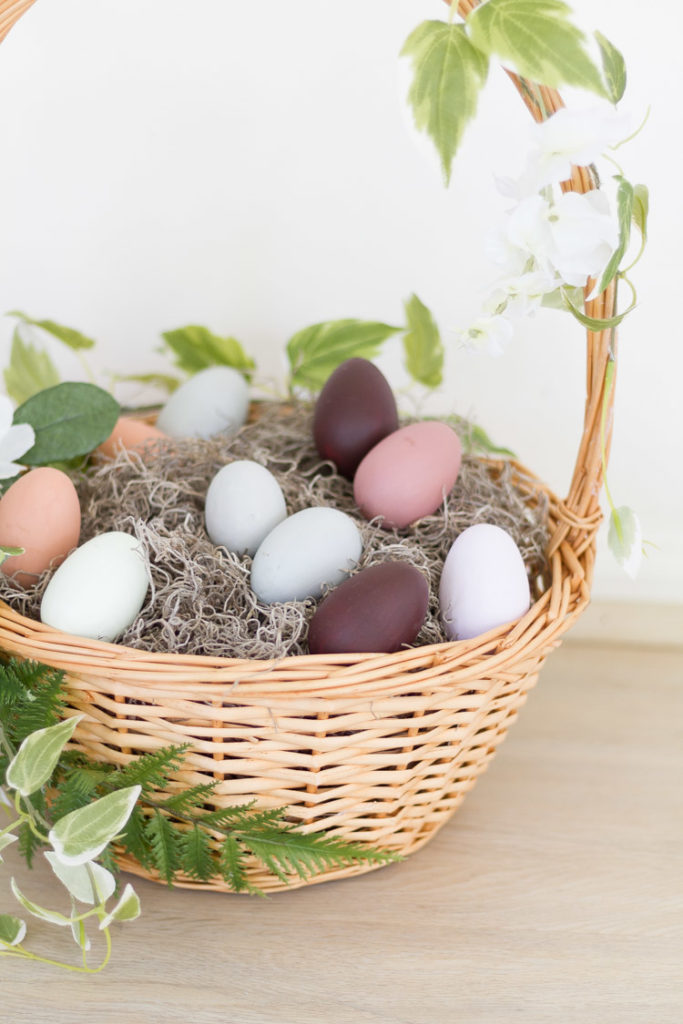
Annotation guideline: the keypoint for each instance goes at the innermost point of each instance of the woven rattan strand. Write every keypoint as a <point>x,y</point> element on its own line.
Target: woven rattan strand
<point>377,748</point>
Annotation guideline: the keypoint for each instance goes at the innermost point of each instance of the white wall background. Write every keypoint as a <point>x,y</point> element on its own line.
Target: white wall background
<point>251,167</point>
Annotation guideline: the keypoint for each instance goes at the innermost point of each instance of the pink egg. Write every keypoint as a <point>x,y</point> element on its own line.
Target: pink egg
<point>408,474</point>
<point>131,434</point>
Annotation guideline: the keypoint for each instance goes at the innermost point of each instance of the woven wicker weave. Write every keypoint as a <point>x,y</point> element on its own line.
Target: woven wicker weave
<point>377,748</point>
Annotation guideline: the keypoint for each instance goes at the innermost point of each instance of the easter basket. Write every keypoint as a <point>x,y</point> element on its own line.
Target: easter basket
<point>375,748</point>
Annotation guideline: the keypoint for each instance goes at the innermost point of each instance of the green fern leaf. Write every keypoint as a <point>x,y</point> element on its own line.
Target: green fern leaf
<point>190,799</point>
<point>150,771</point>
<point>135,841</point>
<point>164,840</point>
<point>195,854</point>
<point>232,868</point>
<point>243,815</point>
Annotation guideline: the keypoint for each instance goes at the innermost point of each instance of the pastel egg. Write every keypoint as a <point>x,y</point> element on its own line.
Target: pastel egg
<point>244,503</point>
<point>213,401</point>
<point>40,513</point>
<point>381,608</point>
<point>354,411</point>
<point>131,434</point>
<point>309,550</point>
<point>484,583</point>
<point>100,588</point>
<point>408,474</point>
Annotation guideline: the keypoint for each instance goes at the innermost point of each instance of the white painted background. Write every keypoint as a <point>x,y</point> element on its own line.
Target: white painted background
<point>251,167</point>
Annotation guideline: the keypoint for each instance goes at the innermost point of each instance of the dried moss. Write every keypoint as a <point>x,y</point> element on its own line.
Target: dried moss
<point>200,601</point>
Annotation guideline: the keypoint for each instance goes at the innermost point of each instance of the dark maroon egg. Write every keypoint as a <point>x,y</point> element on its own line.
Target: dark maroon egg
<point>355,409</point>
<point>379,609</point>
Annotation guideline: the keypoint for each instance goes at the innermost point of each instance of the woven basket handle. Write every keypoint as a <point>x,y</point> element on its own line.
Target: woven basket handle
<point>579,515</point>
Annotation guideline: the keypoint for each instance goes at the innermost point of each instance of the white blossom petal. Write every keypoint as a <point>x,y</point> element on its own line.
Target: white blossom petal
<point>16,441</point>
<point>489,334</point>
<point>6,413</point>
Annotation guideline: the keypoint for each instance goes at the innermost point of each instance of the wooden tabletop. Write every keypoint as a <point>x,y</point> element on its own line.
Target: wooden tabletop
<point>555,894</point>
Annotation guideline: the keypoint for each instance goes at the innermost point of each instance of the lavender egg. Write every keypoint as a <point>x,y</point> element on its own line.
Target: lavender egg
<point>355,409</point>
<point>381,609</point>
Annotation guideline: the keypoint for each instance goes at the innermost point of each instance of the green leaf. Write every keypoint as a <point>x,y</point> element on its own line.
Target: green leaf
<point>624,538</point>
<point>195,348</point>
<point>613,66</point>
<point>479,440</point>
<point>556,298</point>
<point>195,854</point>
<point>593,323</point>
<point>52,916</point>
<point>78,931</point>
<point>9,552</point>
<point>538,39</point>
<point>69,419</point>
<point>134,840</point>
<point>641,208</point>
<point>37,757</point>
<point>78,879</point>
<point>74,339</point>
<point>164,839</point>
<point>424,354</point>
<point>30,370</point>
<point>82,835</point>
<point>448,73</point>
<point>165,381</point>
<point>12,930</point>
<point>127,908</point>
<point>625,194</point>
<point>319,349</point>
<point>231,865</point>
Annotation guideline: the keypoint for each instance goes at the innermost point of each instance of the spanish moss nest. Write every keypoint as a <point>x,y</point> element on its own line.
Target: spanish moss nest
<point>200,600</point>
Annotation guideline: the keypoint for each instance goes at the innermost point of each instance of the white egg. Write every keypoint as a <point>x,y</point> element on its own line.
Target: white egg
<point>99,589</point>
<point>483,584</point>
<point>309,549</point>
<point>244,503</point>
<point>213,401</point>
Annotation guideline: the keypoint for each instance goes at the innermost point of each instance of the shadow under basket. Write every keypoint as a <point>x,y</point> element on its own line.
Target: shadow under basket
<point>378,749</point>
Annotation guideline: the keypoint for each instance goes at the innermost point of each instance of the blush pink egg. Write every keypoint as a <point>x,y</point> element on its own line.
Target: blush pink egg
<point>408,474</point>
<point>40,513</point>
<point>131,434</point>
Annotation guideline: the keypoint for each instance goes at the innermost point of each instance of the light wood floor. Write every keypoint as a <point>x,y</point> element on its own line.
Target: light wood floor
<point>554,895</point>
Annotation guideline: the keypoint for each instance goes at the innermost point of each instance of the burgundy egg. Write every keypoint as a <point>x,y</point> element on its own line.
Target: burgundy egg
<point>379,609</point>
<point>355,409</point>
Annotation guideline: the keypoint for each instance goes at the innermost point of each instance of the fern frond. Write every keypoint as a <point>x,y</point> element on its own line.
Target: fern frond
<point>31,697</point>
<point>149,770</point>
<point>134,840</point>
<point>232,868</point>
<point>164,839</point>
<point>74,790</point>
<point>190,799</point>
<point>196,859</point>
<point>243,815</point>
<point>286,851</point>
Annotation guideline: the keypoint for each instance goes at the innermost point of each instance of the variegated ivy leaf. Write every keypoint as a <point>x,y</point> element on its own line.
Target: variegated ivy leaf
<point>625,194</point>
<point>37,757</point>
<point>71,337</point>
<point>9,552</point>
<point>78,932</point>
<point>319,349</point>
<point>127,908</point>
<point>12,930</point>
<point>30,370</point>
<point>82,834</point>
<point>448,73</point>
<point>7,840</point>
<point>538,39</point>
<point>613,66</point>
<point>51,916</point>
<point>196,348</point>
<point>422,345</point>
<point>83,879</point>
<point>625,539</point>
<point>641,208</point>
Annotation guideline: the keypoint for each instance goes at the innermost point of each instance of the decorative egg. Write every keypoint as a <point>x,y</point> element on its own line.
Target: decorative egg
<point>40,513</point>
<point>100,588</point>
<point>484,583</point>
<point>305,552</point>
<point>354,411</point>
<point>131,434</point>
<point>381,608</point>
<point>408,474</point>
<point>213,401</point>
<point>244,503</point>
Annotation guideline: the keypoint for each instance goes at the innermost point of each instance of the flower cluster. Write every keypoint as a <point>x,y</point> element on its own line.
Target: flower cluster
<point>549,241</point>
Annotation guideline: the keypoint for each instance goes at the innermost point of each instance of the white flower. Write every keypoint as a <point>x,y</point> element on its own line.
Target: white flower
<point>524,238</point>
<point>520,296</point>
<point>569,137</point>
<point>488,334</point>
<point>15,441</point>
<point>583,235</point>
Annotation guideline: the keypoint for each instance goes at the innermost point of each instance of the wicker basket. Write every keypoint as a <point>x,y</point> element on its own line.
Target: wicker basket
<point>376,748</point>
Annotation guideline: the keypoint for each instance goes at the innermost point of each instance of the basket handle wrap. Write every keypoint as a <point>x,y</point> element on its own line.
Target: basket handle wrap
<point>579,515</point>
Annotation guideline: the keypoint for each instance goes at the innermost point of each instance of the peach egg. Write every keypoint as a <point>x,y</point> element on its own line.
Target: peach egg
<point>40,513</point>
<point>131,434</point>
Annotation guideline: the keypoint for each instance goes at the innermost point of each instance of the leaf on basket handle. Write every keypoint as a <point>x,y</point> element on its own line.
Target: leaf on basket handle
<point>613,66</point>
<point>625,198</point>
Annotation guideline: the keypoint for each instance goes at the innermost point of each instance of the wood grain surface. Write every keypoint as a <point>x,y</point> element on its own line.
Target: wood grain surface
<point>555,894</point>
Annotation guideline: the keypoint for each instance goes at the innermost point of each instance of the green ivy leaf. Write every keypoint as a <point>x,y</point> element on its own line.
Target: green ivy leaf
<point>29,370</point>
<point>625,194</point>
<point>613,66</point>
<point>127,908</point>
<point>593,323</point>
<point>78,880</point>
<point>42,913</point>
<point>70,419</point>
<point>12,930</point>
<point>74,339</point>
<point>625,540</point>
<point>448,73</point>
<point>538,39</point>
<point>422,345</point>
<point>316,351</point>
<point>480,441</point>
<point>9,552</point>
<point>37,757</point>
<point>82,835</point>
<point>641,208</point>
<point>195,348</point>
<point>165,381</point>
